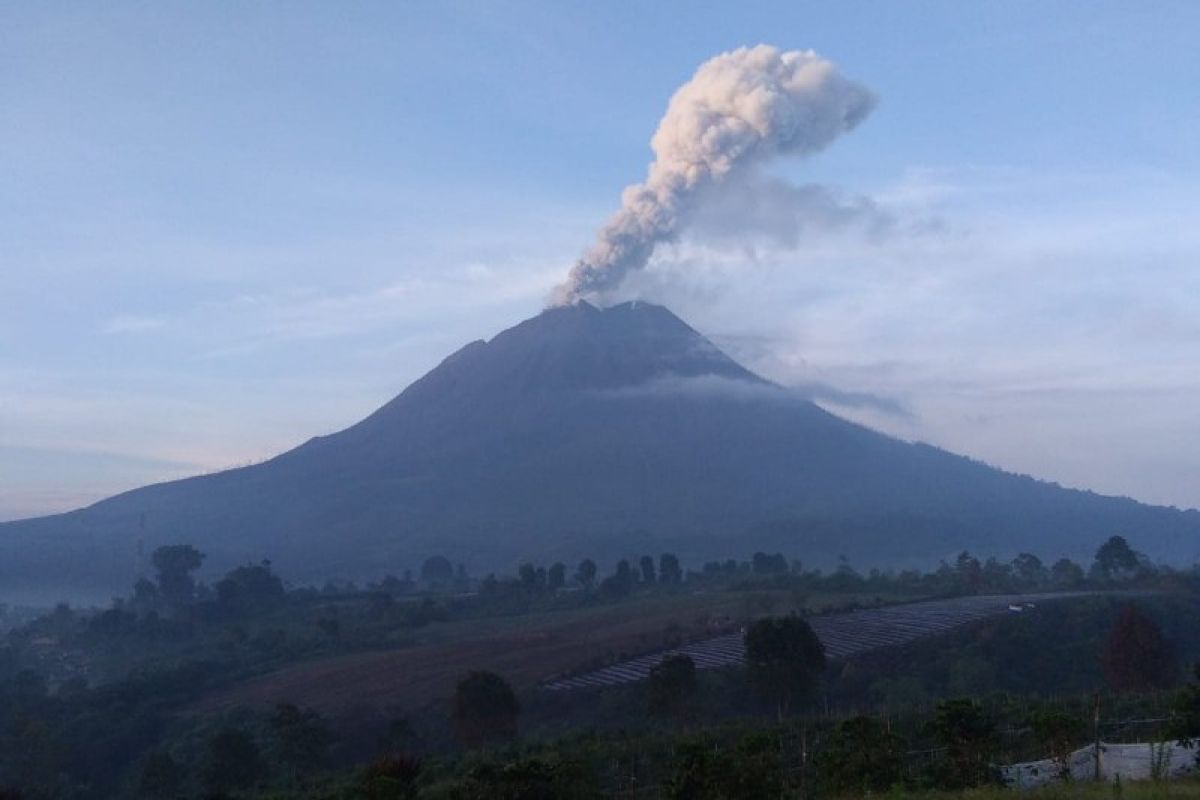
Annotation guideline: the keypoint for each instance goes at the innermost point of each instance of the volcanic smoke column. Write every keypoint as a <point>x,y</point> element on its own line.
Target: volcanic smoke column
<point>740,109</point>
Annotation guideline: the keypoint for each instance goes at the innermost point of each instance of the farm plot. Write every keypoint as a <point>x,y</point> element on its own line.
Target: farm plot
<point>844,635</point>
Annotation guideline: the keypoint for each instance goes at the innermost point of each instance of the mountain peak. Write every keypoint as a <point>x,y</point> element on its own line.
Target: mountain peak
<point>582,347</point>
<point>519,447</point>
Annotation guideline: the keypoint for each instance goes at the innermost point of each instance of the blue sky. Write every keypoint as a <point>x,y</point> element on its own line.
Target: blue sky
<point>225,228</point>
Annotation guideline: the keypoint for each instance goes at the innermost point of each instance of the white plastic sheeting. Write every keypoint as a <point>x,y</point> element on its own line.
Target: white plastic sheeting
<point>1132,762</point>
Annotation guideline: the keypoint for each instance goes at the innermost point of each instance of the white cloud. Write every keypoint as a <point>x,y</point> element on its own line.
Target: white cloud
<point>1051,326</point>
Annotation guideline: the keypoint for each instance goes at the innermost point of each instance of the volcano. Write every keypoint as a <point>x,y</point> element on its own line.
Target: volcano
<point>583,432</point>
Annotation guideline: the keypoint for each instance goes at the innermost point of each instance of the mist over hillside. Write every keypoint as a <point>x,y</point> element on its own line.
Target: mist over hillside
<point>582,432</point>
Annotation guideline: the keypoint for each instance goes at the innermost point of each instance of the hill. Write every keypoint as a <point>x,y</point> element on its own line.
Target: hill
<point>583,432</point>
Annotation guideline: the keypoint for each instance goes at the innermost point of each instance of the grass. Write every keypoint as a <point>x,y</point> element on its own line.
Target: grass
<point>524,648</point>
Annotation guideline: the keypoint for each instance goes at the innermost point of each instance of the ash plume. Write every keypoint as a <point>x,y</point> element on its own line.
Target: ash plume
<point>740,109</point>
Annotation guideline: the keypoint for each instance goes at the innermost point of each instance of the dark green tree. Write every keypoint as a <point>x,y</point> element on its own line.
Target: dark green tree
<point>669,571</point>
<point>391,777</point>
<point>556,578</point>
<point>301,739</point>
<point>1115,559</point>
<point>33,756</point>
<point>969,572</point>
<point>586,573</point>
<point>145,596</point>
<point>437,572</point>
<point>648,573</point>
<point>751,769</point>
<point>671,685</point>
<point>860,757</point>
<point>485,709</point>
<point>527,575</point>
<point>997,575</point>
<point>785,659</point>
<point>1029,570</point>
<point>968,736</point>
<point>232,761</point>
<point>175,564</point>
<point>1066,573</point>
<point>250,586</point>
<point>1057,733</point>
<point>1137,657</point>
<point>529,779</point>
<point>763,564</point>
<point>1185,713</point>
<point>620,583</point>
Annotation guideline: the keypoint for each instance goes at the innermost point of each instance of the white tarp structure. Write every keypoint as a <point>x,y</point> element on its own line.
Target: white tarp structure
<point>1132,762</point>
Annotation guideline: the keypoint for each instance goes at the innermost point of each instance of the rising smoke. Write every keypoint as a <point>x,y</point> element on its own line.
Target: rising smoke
<point>739,110</point>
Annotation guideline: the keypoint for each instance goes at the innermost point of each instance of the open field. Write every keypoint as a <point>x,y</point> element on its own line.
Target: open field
<point>527,649</point>
<point>844,635</point>
<point>531,649</point>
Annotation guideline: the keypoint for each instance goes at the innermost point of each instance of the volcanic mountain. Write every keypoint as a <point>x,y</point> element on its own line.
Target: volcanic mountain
<point>583,432</point>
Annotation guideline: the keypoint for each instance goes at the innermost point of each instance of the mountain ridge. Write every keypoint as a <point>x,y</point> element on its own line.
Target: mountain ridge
<point>584,432</point>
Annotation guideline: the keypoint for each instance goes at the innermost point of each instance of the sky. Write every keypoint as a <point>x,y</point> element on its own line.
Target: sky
<point>227,228</point>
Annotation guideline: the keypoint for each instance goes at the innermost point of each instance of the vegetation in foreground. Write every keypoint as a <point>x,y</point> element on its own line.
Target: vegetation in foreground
<point>109,703</point>
<point>1184,789</point>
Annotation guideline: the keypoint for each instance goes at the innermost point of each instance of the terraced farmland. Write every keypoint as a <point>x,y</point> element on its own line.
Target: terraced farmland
<point>844,635</point>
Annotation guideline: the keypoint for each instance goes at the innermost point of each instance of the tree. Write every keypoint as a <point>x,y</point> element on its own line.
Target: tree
<point>1066,573</point>
<point>1115,559</point>
<point>556,578</point>
<point>997,576</point>
<point>391,777</point>
<point>671,685</point>
<point>527,575</point>
<point>485,709</point>
<point>648,574</point>
<point>620,583</point>
<point>1057,733</point>
<point>437,572</point>
<point>785,658</point>
<point>1136,656</point>
<point>145,596</point>
<point>969,572</point>
<point>301,738</point>
<point>860,757</point>
<point>232,761</point>
<point>752,769</point>
<point>531,778</point>
<point>252,585</point>
<point>586,573</point>
<point>763,564</point>
<point>175,564</point>
<point>968,736</point>
<point>1029,569</point>
<point>669,571</point>
<point>1185,713</point>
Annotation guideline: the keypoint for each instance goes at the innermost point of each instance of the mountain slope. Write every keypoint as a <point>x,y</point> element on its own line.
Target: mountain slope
<point>583,432</point>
